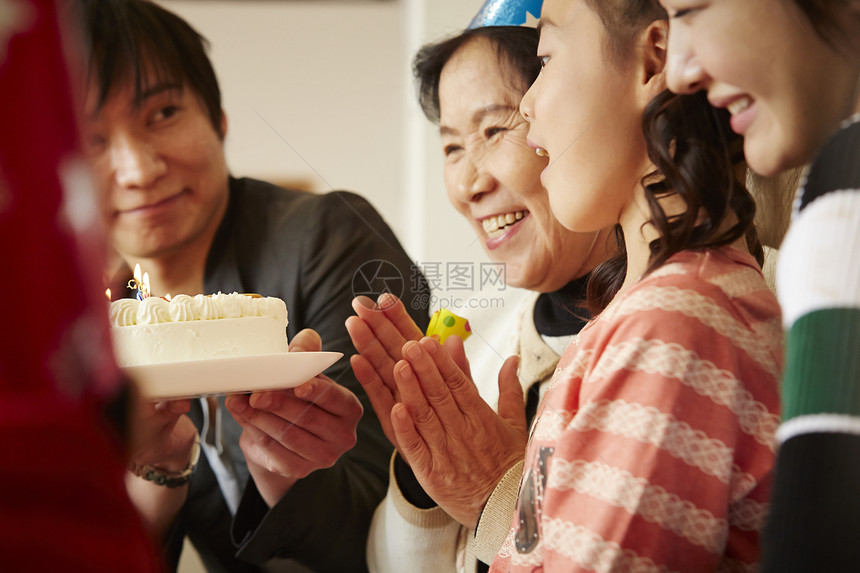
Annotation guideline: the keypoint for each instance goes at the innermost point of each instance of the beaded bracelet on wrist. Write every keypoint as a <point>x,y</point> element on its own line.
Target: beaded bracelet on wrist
<point>167,478</point>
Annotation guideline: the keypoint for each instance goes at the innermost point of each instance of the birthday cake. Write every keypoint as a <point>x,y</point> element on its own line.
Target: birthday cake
<point>186,328</point>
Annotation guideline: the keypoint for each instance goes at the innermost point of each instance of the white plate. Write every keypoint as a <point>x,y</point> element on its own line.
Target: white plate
<point>192,379</point>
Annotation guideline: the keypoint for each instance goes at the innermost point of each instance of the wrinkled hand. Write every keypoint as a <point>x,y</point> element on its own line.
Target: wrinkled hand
<point>163,435</point>
<point>457,446</point>
<point>287,434</point>
<point>378,333</point>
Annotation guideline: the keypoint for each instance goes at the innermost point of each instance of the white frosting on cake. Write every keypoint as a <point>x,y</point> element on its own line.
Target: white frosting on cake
<point>153,331</point>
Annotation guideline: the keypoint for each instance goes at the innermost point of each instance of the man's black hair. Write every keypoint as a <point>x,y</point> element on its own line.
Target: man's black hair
<point>139,41</point>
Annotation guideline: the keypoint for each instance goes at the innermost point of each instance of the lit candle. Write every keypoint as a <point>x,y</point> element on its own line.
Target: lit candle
<point>107,294</point>
<point>141,284</point>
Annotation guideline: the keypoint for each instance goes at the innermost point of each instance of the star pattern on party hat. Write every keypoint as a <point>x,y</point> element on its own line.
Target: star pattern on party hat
<point>507,13</point>
<point>15,17</point>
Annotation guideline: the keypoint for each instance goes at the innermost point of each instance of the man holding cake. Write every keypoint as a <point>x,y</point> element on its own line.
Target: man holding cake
<point>278,476</point>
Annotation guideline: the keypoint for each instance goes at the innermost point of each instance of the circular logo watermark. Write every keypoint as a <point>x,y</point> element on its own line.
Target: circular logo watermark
<point>376,277</point>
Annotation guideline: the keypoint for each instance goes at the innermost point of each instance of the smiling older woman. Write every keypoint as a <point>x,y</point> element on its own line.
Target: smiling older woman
<point>471,85</point>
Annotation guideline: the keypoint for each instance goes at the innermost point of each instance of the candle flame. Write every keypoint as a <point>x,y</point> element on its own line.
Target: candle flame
<point>141,285</point>
<point>107,294</point>
<point>168,297</point>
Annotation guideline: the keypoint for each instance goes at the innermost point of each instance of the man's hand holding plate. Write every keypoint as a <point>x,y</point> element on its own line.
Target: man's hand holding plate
<point>287,434</point>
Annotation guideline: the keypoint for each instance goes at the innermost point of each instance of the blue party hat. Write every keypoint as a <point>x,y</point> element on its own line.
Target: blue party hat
<point>506,13</point>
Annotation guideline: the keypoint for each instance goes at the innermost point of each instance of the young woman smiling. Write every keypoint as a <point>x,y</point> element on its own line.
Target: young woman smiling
<point>789,73</point>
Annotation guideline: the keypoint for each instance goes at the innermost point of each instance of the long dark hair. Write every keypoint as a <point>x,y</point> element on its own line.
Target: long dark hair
<point>697,158</point>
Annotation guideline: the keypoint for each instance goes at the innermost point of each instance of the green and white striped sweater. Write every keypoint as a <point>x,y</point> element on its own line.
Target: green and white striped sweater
<point>816,501</point>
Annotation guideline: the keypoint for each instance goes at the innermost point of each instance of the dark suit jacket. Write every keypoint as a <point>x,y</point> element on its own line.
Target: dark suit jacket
<point>315,252</point>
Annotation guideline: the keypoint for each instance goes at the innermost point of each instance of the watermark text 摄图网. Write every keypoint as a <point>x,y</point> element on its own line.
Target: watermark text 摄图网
<point>453,284</point>
<point>453,276</point>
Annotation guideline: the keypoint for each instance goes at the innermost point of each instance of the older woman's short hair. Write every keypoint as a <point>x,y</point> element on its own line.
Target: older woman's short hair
<point>516,49</point>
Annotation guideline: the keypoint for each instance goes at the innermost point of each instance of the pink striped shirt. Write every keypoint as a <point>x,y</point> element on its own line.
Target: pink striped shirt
<point>653,447</point>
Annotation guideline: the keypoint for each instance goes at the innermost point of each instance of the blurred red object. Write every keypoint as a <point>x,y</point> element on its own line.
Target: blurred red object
<point>63,505</point>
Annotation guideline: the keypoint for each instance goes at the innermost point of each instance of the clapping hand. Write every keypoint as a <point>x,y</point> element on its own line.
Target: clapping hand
<point>378,333</point>
<point>287,434</point>
<point>457,446</point>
